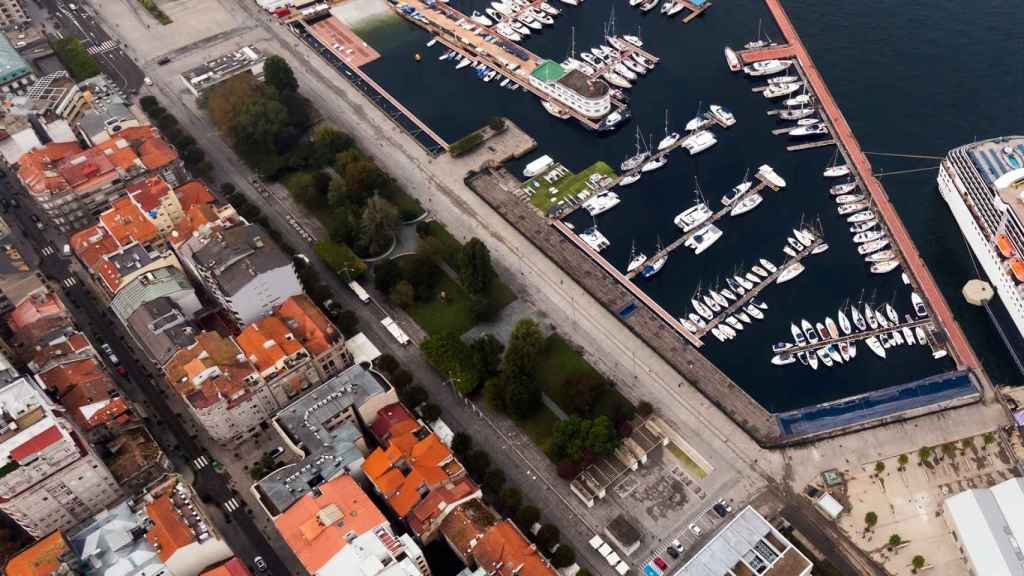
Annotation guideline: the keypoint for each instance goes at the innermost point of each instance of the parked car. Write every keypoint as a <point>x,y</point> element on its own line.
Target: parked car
<point>660,563</point>
<point>260,563</point>
<point>695,529</point>
<point>275,453</point>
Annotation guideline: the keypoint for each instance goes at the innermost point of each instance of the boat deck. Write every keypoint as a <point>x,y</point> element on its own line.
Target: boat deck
<point>921,277</point>
<point>746,297</point>
<point>761,185</point>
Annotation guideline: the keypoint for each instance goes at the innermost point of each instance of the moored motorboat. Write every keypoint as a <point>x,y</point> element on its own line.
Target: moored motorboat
<point>746,205</point>
<point>593,237</point>
<point>880,256</point>
<point>732,60</point>
<point>845,209</point>
<point>722,115</point>
<point>837,171</point>
<point>734,323</point>
<point>699,141</point>
<point>701,309</point>
<point>790,272</point>
<point>692,217</point>
<point>768,265</point>
<point>830,325</point>
<point>719,298</point>
<point>919,332</point>
<point>601,203</point>
<point>754,312</point>
<point>844,188</point>
<point>629,179</point>
<point>861,216</point>
<point>796,113</point>
<point>875,346</point>
<point>747,284</point>
<point>780,90</point>
<point>862,237</point>
<point>783,79</point>
<point>554,110</point>
<point>654,163</point>
<point>767,67</point>
<point>703,239</point>
<point>759,271</point>
<point>768,174</point>
<point>863,226</point>
<point>737,191</point>
<point>858,320</point>
<point>727,293</point>
<point>884,266</point>
<point>783,359</point>
<point>844,322</point>
<point>873,246</point>
<point>918,304</point>
<point>797,101</point>
<point>812,130</point>
<point>808,330</point>
<point>652,268</point>
<point>634,40</point>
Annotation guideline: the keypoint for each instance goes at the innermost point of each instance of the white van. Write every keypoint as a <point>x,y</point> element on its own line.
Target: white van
<point>360,293</point>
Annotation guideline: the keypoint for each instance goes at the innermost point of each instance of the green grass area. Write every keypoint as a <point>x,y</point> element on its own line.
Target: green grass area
<point>156,12</point>
<point>79,63</point>
<point>453,314</point>
<point>340,258</point>
<point>542,196</point>
<point>540,427</point>
<point>450,247</point>
<point>692,467</point>
<point>561,362</point>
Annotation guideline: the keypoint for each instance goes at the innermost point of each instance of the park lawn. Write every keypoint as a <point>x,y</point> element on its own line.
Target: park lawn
<point>566,187</point>
<point>454,314</point>
<point>540,427</point>
<point>560,362</point>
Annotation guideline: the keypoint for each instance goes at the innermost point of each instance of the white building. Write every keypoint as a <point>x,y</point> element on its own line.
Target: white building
<point>49,477</point>
<point>202,78</point>
<point>243,269</point>
<point>592,98</point>
<point>748,544</point>
<point>989,525</point>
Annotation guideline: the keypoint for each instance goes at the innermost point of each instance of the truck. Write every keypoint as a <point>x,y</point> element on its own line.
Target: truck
<point>396,331</point>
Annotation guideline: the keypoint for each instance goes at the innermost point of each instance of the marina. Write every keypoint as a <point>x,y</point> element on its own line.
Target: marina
<point>665,191</point>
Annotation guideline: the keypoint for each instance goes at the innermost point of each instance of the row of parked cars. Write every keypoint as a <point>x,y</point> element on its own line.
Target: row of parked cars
<point>675,548</point>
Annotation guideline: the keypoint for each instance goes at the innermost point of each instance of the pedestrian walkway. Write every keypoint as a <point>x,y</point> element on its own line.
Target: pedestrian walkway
<point>104,47</point>
<point>70,281</point>
<point>200,462</point>
<point>48,250</point>
<point>232,505</point>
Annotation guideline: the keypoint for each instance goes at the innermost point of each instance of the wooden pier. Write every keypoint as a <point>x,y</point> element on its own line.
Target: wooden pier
<point>856,336</point>
<point>744,299</point>
<point>600,69</point>
<point>921,277</point>
<point>695,9</point>
<point>810,145</point>
<point>761,185</point>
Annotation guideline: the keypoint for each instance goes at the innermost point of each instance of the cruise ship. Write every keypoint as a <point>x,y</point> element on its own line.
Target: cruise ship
<point>983,183</point>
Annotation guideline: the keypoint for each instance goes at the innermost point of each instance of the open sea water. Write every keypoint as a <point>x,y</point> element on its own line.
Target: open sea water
<point>912,78</point>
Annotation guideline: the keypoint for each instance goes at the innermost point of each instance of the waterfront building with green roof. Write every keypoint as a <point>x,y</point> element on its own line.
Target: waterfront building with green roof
<point>572,88</point>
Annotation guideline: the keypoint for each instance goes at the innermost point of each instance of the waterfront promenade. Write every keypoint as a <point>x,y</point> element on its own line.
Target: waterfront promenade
<point>855,157</point>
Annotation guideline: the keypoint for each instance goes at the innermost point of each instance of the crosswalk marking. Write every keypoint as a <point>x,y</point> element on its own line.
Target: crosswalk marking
<point>200,463</point>
<point>104,47</point>
<point>48,250</point>
<point>232,505</point>
<point>70,281</point>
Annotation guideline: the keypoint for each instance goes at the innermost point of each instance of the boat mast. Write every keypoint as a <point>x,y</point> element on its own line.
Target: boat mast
<point>666,122</point>
<point>572,44</point>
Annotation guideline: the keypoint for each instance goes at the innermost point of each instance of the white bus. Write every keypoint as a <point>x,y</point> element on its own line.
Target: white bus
<point>360,293</point>
<point>395,330</point>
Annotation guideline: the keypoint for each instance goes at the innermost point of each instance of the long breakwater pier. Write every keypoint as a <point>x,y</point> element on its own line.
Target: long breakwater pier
<point>456,31</point>
<point>745,298</point>
<point>686,237</point>
<point>921,278</point>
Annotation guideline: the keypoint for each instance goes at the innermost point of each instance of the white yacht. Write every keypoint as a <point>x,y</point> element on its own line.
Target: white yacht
<point>601,203</point>
<point>594,239</point>
<point>868,236</point>
<point>704,238</point>
<point>918,303</point>
<point>636,259</point>
<point>768,174</point>
<point>873,246</point>
<point>780,90</point>
<point>737,191</point>
<point>629,179</point>
<point>768,265</point>
<point>654,163</point>
<point>767,67</point>
<point>880,256</point>
<point>884,266</point>
<point>810,130</point>
<point>790,272</point>
<point>634,40</point>
<point>796,113</point>
<point>783,80</point>
<point>481,19</point>
<point>845,209</point>
<point>841,189</point>
<point>875,346</point>
<point>692,217</point>
<point>746,205</point>
<point>732,60</point>
<point>723,115</point>
<point>670,137</point>
<point>699,142</point>
<point>836,171</point>
<point>801,100</point>
<point>554,110</point>
<point>861,216</point>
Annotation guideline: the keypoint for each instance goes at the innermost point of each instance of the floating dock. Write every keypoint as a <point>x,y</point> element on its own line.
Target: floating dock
<point>761,185</point>
<point>921,277</point>
<point>695,8</point>
<point>857,336</point>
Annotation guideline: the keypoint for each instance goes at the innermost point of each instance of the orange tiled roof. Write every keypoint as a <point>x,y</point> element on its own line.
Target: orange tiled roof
<point>127,224</point>
<point>39,559</point>
<point>313,542</point>
<point>408,495</point>
<point>192,193</point>
<point>149,192</point>
<point>46,352</point>
<point>232,567</point>
<point>93,245</point>
<point>266,342</point>
<point>466,524</point>
<point>308,323</point>
<point>189,363</point>
<point>119,153</point>
<point>35,308</point>
<point>156,153</point>
<point>37,167</point>
<point>379,461</point>
<point>389,482</point>
<point>83,383</point>
<point>438,502</point>
<point>169,531</point>
<point>504,551</point>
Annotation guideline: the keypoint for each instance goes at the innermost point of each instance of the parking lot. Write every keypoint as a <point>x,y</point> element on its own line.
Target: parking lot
<point>906,492</point>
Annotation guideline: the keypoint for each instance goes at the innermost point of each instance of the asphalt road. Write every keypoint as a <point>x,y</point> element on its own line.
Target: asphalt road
<point>81,24</point>
<point>93,318</point>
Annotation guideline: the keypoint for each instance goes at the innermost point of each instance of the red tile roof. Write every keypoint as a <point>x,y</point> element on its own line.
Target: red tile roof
<point>169,531</point>
<point>192,193</point>
<point>232,567</point>
<point>387,417</point>
<point>308,324</point>
<point>39,559</point>
<point>149,192</point>
<point>127,224</point>
<point>504,551</point>
<point>37,443</point>
<point>35,308</point>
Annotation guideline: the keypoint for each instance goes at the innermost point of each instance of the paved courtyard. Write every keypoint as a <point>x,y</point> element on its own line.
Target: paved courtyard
<point>907,495</point>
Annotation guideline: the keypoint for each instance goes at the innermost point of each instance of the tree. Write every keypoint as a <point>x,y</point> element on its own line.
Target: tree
<point>496,123</point>
<point>644,408</point>
<point>148,102</point>
<point>918,563</point>
<point>364,177</point>
<point>583,390</point>
<point>967,444</point>
<point>228,189</point>
<point>462,443</point>
<point>895,540</point>
<point>478,462</point>
<point>475,270</point>
<point>258,125</point>
<point>988,438</point>
<point>326,143</point>
<point>526,517</point>
<point>563,557</point>
<point>79,63</point>
<point>414,396</point>
<point>879,467</point>
<point>578,439</point>
<point>902,461</point>
<point>228,97</point>
<point>511,500</point>
<point>403,295</point>
<point>494,393</point>
<point>453,359</point>
<point>386,363</point>
<point>386,274</point>
<point>871,519</point>
<point>521,389</point>
<point>303,187</point>
<point>583,572</point>
<point>430,412</point>
<point>547,537</point>
<point>346,157</point>
<point>401,378</point>
<point>277,73</point>
<point>949,449</point>
<point>925,453</point>
<point>348,323</point>
<point>494,480</point>
<point>337,192</point>
<point>380,220</point>
<point>567,469</point>
<point>424,274</point>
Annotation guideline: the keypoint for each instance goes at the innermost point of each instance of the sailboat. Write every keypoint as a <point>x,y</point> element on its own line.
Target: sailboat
<point>634,161</point>
<point>697,122</point>
<point>670,138</point>
<point>836,170</point>
<point>655,162</point>
<point>738,190</point>
<point>844,322</point>
<point>636,259</point>
<point>858,320</point>
<point>762,39</point>
<point>652,268</point>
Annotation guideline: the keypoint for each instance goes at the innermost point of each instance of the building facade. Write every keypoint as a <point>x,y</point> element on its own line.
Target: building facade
<point>591,98</point>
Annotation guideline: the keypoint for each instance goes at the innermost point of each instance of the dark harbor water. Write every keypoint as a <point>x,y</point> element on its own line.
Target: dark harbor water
<point>910,78</point>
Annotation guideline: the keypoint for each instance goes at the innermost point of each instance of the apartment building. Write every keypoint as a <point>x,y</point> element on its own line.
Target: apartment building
<point>157,308</point>
<point>241,268</point>
<point>11,14</point>
<point>50,478</point>
<point>221,387</point>
<point>336,530</point>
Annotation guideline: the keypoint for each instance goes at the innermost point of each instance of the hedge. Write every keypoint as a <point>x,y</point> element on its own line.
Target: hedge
<point>340,258</point>
<point>465,145</point>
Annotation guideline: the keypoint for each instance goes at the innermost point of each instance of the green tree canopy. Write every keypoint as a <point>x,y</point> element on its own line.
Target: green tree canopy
<point>527,517</point>
<point>277,73</point>
<point>579,440</point>
<point>380,220</point>
<point>79,63</point>
<point>475,270</point>
<point>403,295</point>
<point>521,389</point>
<point>547,537</point>
<point>453,358</point>
<point>563,557</point>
